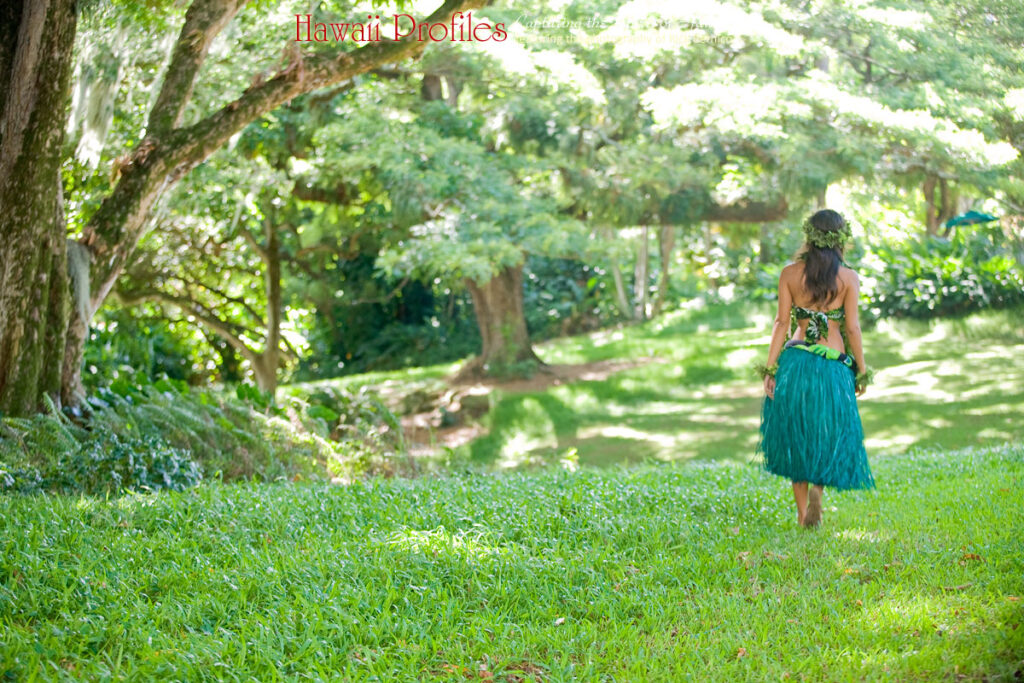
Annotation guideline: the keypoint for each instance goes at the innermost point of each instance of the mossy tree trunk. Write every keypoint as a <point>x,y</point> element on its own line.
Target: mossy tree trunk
<point>498,305</point>
<point>36,41</point>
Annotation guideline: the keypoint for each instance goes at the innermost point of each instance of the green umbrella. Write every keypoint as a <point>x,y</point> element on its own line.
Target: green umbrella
<point>969,218</point>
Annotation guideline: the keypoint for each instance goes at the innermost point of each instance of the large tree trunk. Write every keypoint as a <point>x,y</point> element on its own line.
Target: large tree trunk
<point>36,41</point>
<point>498,305</point>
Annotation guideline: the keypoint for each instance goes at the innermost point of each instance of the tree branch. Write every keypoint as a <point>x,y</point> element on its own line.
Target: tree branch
<point>204,20</point>
<point>868,63</point>
<point>288,349</point>
<point>303,74</point>
<point>306,251</point>
<point>748,212</point>
<point>230,333</point>
<point>755,150</point>
<point>227,297</point>
<point>254,243</point>
<point>339,194</point>
<point>385,298</point>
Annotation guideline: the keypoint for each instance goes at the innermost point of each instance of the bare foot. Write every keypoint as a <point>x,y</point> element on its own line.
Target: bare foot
<point>812,516</point>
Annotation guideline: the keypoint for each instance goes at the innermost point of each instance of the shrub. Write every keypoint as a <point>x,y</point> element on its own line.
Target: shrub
<point>937,277</point>
<point>49,453</point>
<point>137,435</point>
<point>128,341</point>
<point>565,296</point>
<point>366,434</point>
<point>109,463</point>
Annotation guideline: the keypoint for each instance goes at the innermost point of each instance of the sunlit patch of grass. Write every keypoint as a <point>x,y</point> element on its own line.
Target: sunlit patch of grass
<point>463,544</point>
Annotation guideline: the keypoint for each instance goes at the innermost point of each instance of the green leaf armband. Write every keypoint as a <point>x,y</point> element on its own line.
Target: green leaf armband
<point>766,370</point>
<point>863,379</point>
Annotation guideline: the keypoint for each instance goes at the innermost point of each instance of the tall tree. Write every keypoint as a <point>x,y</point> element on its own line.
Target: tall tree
<point>36,37</point>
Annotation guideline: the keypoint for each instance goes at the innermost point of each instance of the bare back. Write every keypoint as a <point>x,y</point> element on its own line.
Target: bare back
<point>793,280</point>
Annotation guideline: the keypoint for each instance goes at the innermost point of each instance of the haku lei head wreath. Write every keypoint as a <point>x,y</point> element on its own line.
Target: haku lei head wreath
<point>823,238</point>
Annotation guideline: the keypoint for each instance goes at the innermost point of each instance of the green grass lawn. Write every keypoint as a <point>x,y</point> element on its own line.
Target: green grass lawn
<point>656,573</point>
<point>943,384</point>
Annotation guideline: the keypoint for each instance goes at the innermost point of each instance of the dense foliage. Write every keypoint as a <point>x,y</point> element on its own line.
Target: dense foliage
<point>544,258</point>
<point>973,269</point>
<point>139,435</point>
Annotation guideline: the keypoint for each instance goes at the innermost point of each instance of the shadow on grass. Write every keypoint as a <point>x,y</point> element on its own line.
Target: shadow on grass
<point>903,424</point>
<point>704,410</point>
<point>688,330</point>
<point>611,422</point>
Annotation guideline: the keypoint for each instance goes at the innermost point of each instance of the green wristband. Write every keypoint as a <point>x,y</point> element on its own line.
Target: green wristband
<point>863,379</point>
<point>766,370</point>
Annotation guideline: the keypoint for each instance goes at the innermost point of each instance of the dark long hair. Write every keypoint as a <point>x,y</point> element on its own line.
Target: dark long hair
<point>821,264</point>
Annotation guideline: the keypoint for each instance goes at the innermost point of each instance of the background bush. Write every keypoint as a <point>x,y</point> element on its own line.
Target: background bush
<point>975,269</point>
<point>141,435</point>
<point>132,340</point>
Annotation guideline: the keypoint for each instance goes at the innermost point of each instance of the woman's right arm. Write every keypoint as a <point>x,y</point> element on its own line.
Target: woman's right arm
<point>850,312</point>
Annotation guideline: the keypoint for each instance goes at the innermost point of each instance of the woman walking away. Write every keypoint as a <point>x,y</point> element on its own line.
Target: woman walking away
<point>811,431</point>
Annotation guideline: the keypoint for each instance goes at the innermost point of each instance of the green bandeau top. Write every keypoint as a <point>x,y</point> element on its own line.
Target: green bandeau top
<point>817,322</point>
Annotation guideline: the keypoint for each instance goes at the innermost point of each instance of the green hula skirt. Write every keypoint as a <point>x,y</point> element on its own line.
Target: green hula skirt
<point>811,430</point>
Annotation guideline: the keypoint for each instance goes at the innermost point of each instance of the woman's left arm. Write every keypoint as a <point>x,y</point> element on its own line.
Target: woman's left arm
<point>780,328</point>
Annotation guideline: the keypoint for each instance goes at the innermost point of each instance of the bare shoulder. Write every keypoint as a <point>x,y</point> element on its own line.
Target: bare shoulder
<point>848,276</point>
<point>791,271</point>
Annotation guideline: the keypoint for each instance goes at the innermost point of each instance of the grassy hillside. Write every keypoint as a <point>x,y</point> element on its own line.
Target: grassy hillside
<point>660,573</point>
